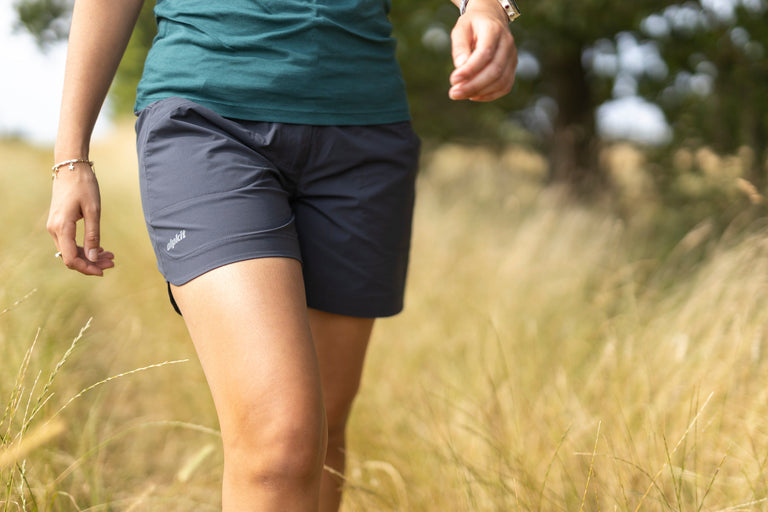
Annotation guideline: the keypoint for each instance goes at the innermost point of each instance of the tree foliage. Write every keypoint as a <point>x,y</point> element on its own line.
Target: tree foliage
<point>132,65</point>
<point>560,82</point>
<point>715,93</point>
<point>46,20</point>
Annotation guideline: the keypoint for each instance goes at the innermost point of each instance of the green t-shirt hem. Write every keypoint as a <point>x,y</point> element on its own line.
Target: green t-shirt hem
<point>314,117</point>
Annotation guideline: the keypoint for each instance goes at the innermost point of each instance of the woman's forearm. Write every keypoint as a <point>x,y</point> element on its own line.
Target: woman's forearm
<point>98,37</point>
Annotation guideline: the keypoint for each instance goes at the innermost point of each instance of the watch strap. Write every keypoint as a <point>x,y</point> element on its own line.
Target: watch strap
<point>510,7</point>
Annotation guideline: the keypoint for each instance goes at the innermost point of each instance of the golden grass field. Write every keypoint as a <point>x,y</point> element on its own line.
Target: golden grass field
<point>552,357</point>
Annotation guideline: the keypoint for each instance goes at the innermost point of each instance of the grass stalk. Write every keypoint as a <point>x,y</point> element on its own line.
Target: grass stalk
<point>591,467</point>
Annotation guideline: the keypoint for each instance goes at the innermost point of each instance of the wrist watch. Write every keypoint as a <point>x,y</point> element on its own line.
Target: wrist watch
<point>509,6</point>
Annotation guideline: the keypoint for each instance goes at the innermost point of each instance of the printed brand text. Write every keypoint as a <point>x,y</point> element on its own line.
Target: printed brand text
<point>181,235</point>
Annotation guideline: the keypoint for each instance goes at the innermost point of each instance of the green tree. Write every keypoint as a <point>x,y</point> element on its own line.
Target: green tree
<point>559,34</point>
<point>46,20</point>
<point>716,91</point>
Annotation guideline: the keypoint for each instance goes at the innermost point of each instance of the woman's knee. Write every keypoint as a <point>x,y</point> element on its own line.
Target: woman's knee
<point>281,445</point>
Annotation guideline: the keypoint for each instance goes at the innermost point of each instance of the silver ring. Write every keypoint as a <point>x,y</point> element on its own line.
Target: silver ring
<point>57,255</point>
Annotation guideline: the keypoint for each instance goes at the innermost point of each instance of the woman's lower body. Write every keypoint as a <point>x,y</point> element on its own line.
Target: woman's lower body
<point>281,244</point>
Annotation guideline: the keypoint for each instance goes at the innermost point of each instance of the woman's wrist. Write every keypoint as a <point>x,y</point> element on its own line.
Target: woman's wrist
<point>492,7</point>
<point>63,151</point>
<point>70,157</point>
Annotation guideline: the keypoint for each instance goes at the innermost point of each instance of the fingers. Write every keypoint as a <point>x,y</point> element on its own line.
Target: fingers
<point>91,237</point>
<point>74,257</point>
<point>63,233</point>
<point>66,243</point>
<point>485,57</point>
<point>462,42</point>
<point>103,261</point>
<point>473,49</point>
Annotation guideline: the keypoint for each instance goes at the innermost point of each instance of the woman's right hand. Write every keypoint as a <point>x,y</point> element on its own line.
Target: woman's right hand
<point>75,196</point>
<point>98,35</point>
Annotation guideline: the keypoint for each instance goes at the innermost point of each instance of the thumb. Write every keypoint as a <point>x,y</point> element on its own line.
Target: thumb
<point>91,239</point>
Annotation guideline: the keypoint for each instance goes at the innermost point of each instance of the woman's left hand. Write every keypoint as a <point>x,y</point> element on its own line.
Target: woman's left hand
<point>484,53</point>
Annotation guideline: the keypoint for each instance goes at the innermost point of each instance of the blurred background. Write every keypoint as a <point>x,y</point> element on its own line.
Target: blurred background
<point>668,77</point>
<point>586,314</point>
<point>658,73</point>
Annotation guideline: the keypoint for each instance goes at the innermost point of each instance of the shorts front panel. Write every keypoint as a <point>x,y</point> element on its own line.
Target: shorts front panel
<point>339,199</point>
<point>209,195</point>
<point>353,216</point>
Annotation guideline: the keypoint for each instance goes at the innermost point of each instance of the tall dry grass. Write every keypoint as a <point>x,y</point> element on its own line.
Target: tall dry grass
<point>551,356</point>
<point>129,442</point>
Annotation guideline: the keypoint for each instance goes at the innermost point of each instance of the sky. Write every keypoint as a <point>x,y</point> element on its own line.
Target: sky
<point>30,91</point>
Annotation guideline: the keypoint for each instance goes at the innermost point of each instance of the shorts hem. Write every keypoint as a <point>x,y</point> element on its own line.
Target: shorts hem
<point>179,280</point>
<point>180,271</point>
<point>358,308</point>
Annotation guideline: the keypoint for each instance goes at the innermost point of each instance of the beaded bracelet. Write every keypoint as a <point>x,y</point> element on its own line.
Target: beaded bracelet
<point>71,165</point>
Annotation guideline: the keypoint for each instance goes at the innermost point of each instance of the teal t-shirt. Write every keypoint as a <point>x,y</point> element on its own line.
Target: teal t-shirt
<point>329,62</point>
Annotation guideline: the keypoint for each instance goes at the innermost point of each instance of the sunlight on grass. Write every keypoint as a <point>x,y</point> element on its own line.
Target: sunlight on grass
<point>552,356</point>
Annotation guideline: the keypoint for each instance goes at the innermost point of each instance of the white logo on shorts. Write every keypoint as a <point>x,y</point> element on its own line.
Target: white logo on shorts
<point>181,235</point>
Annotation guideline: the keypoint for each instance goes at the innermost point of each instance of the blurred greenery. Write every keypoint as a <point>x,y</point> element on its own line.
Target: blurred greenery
<point>719,68</point>
<point>45,19</point>
<point>132,65</point>
<point>707,75</point>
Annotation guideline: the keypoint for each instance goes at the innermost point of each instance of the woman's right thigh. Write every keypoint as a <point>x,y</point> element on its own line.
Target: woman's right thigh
<point>248,322</point>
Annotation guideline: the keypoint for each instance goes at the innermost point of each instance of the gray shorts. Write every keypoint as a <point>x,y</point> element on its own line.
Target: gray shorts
<point>337,198</point>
